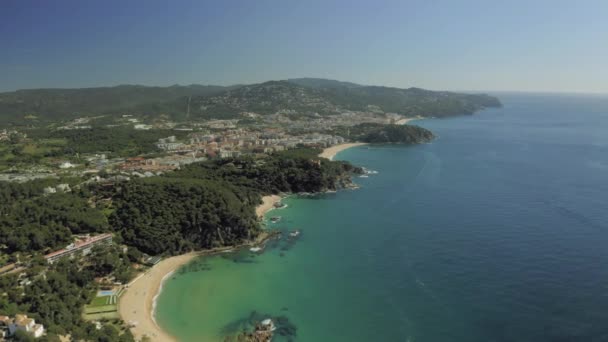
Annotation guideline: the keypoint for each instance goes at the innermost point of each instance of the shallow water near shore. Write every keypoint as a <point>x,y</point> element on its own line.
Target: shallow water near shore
<point>496,231</point>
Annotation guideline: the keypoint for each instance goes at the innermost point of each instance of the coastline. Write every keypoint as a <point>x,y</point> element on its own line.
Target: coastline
<point>406,120</point>
<point>331,151</point>
<point>137,305</point>
<point>267,205</point>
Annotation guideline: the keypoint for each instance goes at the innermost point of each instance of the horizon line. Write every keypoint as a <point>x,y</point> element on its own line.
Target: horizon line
<point>526,91</point>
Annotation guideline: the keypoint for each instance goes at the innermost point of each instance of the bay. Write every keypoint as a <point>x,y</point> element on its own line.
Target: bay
<point>496,231</point>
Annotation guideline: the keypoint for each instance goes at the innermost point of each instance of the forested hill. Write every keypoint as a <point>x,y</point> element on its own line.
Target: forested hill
<point>387,134</point>
<point>50,105</point>
<point>302,96</point>
<point>212,204</point>
<point>410,101</point>
<point>327,97</point>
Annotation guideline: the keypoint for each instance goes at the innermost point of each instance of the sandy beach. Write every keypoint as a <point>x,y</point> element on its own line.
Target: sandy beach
<point>331,152</point>
<point>406,120</point>
<point>136,305</point>
<point>268,204</point>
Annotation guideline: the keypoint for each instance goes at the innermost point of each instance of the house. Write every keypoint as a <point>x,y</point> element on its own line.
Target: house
<point>10,326</point>
<point>80,246</point>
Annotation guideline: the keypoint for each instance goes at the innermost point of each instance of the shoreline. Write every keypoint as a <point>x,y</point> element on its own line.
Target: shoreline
<point>406,120</point>
<point>137,305</point>
<point>330,152</point>
<point>267,205</point>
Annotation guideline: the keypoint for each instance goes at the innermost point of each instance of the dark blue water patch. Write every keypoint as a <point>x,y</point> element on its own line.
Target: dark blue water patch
<point>497,231</point>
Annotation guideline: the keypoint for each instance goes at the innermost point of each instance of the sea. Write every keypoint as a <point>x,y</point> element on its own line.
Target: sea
<point>495,231</point>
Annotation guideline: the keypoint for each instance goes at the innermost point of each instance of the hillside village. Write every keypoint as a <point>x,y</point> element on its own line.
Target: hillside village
<point>254,134</point>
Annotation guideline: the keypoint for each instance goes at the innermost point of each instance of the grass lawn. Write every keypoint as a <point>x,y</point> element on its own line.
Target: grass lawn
<point>102,315</point>
<point>100,308</point>
<point>99,301</point>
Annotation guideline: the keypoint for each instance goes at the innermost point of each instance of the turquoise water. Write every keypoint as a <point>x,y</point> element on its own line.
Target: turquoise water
<point>496,231</point>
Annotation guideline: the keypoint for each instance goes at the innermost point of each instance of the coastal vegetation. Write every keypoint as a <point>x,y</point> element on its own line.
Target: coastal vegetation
<point>202,205</point>
<point>31,221</point>
<point>383,134</point>
<point>212,204</point>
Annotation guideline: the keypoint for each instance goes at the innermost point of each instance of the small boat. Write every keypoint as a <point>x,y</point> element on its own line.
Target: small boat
<point>255,249</point>
<point>275,219</point>
<point>295,233</point>
<point>364,176</point>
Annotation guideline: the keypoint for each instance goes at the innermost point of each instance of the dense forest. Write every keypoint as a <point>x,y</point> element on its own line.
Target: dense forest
<point>200,206</point>
<point>213,203</point>
<point>298,170</point>
<point>176,215</point>
<point>382,134</point>
<point>33,222</point>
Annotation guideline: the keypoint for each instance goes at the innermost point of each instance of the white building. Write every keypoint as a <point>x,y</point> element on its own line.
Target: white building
<point>24,323</point>
<point>81,246</point>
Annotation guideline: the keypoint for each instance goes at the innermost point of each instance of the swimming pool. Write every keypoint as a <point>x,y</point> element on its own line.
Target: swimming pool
<point>105,293</point>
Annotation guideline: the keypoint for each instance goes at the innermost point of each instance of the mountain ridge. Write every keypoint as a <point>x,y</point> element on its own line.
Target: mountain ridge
<point>299,95</point>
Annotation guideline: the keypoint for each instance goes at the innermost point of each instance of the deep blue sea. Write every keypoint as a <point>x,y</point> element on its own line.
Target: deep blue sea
<point>496,231</point>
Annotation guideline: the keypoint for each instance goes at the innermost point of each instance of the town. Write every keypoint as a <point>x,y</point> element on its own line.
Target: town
<point>252,134</point>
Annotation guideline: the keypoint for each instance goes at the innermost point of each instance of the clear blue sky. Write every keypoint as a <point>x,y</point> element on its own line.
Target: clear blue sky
<point>549,45</point>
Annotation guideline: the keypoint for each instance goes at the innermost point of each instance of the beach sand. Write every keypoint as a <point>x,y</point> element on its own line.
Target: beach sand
<point>268,204</point>
<point>136,305</point>
<point>406,120</point>
<point>331,152</point>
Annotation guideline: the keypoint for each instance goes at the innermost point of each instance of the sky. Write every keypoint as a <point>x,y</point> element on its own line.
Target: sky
<point>533,45</point>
